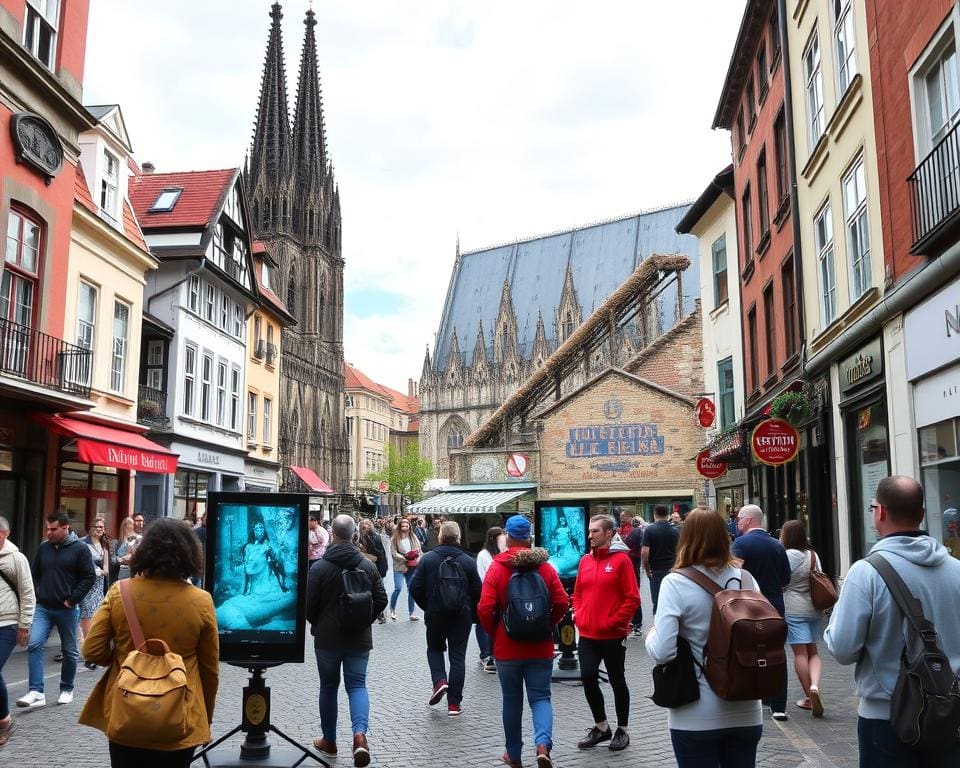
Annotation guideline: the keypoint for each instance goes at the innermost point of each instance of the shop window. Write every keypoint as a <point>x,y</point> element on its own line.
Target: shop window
<point>940,475</point>
<point>88,492</point>
<point>869,462</point>
<point>938,443</point>
<point>189,493</point>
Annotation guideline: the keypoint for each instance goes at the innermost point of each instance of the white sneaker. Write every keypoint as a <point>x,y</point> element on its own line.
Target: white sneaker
<point>65,697</point>
<point>32,699</point>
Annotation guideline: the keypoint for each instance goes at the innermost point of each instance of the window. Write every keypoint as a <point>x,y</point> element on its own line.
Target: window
<point>221,392</point>
<point>189,377</point>
<point>108,187</point>
<point>941,92</point>
<point>763,199</point>
<point>725,393</point>
<point>846,44</point>
<point>762,69</point>
<point>568,325</point>
<point>256,330</point>
<point>251,416</point>
<point>267,419</point>
<point>769,323</point>
<point>18,286</point>
<point>349,426</point>
<point>741,135</point>
<point>193,293</point>
<point>211,303</point>
<point>858,231</point>
<point>826,277</point>
<point>751,105</point>
<point>780,147</point>
<point>719,251</point>
<point>166,200</point>
<point>267,276</point>
<point>788,288</point>
<point>86,329</point>
<point>292,293</point>
<point>154,369</point>
<point>40,30</point>
<point>746,215</point>
<point>774,27</point>
<point>235,398</point>
<point>813,78</point>
<point>206,381</point>
<point>237,320</point>
<point>118,366</point>
<point>224,312</point>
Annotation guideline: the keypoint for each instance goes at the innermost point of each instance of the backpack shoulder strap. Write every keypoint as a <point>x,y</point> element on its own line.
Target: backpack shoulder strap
<point>13,588</point>
<point>813,560</point>
<point>136,631</point>
<point>902,596</point>
<point>704,581</point>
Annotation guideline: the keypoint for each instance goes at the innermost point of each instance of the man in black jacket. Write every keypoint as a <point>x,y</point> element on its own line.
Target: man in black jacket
<point>335,646</point>
<point>63,573</point>
<point>447,574</point>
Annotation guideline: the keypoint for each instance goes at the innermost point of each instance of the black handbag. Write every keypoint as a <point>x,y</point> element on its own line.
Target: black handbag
<point>675,683</point>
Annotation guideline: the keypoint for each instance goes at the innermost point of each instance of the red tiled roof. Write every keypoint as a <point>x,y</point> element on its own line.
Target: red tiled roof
<point>131,229</point>
<point>81,192</point>
<point>405,403</point>
<point>202,196</point>
<point>355,379</point>
<point>265,293</point>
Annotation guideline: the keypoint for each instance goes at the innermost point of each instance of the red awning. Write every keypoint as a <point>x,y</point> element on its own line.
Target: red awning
<point>312,481</point>
<point>112,447</point>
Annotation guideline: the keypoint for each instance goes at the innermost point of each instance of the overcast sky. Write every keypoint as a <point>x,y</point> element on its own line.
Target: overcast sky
<point>492,120</point>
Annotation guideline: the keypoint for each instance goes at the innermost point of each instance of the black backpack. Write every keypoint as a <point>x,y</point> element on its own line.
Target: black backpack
<point>925,706</point>
<point>356,600</point>
<point>450,591</point>
<point>527,615</point>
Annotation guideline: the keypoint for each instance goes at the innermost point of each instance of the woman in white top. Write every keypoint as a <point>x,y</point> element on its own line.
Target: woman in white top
<point>804,622</point>
<point>405,549</point>
<point>491,548</point>
<point>708,731</point>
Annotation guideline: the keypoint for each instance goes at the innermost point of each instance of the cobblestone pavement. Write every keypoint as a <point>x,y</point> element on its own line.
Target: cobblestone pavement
<point>405,732</point>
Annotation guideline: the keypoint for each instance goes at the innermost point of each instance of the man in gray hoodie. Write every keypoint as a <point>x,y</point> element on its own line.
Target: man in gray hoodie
<point>867,628</point>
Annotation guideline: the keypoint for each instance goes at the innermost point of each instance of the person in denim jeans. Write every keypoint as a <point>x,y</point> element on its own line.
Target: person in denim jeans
<point>16,614</point>
<point>522,664</point>
<point>336,648</point>
<point>405,549</point>
<point>63,573</point>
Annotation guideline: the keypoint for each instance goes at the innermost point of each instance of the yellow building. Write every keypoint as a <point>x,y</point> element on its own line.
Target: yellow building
<point>263,377</point>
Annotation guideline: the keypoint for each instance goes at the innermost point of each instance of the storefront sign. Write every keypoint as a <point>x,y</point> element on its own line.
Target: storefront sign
<point>862,367</point>
<point>517,465</point>
<point>706,412</point>
<point>123,457</point>
<point>937,397</point>
<point>614,440</point>
<point>774,442</point>
<point>932,332</point>
<point>208,459</point>
<point>709,468</point>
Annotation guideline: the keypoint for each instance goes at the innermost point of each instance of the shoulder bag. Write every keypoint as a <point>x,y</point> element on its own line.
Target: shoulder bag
<point>675,683</point>
<point>823,594</point>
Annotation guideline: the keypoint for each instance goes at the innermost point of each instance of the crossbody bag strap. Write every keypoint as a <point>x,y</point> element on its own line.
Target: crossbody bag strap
<point>13,587</point>
<point>813,560</point>
<point>136,632</point>
<point>902,596</point>
<point>704,581</point>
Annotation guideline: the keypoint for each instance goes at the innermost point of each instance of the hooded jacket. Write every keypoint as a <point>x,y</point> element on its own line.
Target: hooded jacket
<point>493,600</point>
<point>62,572</point>
<point>15,566</point>
<point>867,628</point>
<point>425,577</point>
<point>324,588</point>
<point>606,596</point>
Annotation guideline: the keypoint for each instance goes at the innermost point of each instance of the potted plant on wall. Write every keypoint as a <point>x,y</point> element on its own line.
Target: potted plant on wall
<point>793,407</point>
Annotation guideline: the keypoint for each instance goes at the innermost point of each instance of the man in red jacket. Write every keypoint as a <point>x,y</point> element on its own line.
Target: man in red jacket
<point>605,598</point>
<point>522,663</point>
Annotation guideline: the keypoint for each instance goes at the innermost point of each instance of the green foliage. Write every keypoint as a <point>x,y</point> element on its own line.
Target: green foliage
<point>405,472</point>
<point>792,407</point>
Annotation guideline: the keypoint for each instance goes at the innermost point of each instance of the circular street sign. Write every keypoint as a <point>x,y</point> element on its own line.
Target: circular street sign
<point>774,442</point>
<point>517,465</point>
<point>709,468</point>
<point>706,412</point>
<point>384,486</point>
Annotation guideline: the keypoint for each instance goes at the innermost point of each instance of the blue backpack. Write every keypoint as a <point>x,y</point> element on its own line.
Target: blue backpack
<point>527,615</point>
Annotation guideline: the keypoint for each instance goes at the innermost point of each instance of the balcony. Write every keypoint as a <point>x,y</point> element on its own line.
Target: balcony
<point>152,408</point>
<point>935,196</point>
<point>36,358</point>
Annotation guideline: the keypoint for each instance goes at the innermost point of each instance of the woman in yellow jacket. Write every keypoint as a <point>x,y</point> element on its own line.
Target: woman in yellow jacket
<point>171,609</point>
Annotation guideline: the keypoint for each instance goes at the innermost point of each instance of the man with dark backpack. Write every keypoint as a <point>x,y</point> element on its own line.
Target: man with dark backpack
<point>344,596</point>
<point>909,710</point>
<point>518,588</point>
<point>447,586</point>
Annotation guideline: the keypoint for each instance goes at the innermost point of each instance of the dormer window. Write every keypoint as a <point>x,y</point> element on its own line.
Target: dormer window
<point>166,200</point>
<point>109,184</point>
<point>40,30</point>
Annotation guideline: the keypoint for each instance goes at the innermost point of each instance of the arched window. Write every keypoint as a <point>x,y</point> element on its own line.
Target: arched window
<point>504,340</point>
<point>292,292</point>
<point>568,326</point>
<point>455,439</point>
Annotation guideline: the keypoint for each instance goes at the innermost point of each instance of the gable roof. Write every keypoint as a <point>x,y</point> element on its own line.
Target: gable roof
<point>354,378</point>
<point>600,258</point>
<point>200,201</point>
<point>606,374</point>
<point>110,116</point>
<point>721,183</point>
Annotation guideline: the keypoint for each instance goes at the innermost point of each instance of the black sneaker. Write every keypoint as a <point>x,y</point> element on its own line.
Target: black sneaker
<point>620,740</point>
<point>594,737</point>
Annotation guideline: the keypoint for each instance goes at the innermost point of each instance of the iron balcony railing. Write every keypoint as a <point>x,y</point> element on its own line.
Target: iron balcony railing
<point>38,358</point>
<point>935,191</point>
<point>152,408</point>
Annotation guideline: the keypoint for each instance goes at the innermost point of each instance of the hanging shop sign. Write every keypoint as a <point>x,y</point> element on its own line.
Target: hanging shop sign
<point>774,442</point>
<point>706,412</point>
<point>517,465</point>
<point>709,468</point>
<point>862,367</point>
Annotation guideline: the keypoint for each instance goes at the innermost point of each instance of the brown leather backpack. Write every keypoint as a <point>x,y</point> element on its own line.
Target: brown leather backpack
<point>744,658</point>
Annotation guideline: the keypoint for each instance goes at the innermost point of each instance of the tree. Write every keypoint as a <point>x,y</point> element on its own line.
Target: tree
<point>405,472</point>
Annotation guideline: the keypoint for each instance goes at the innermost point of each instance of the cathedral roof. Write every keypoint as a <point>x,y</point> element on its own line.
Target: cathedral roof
<point>600,257</point>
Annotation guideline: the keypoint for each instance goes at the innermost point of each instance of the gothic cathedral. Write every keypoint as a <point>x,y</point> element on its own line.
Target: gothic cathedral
<point>295,208</point>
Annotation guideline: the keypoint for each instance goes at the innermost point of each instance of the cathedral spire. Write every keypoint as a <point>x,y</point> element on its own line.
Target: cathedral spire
<point>309,135</point>
<point>269,157</point>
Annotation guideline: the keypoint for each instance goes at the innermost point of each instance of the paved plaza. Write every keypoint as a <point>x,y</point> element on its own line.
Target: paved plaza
<point>406,732</point>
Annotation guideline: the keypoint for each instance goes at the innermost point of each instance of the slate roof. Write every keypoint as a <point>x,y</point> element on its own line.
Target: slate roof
<point>202,197</point>
<point>601,256</point>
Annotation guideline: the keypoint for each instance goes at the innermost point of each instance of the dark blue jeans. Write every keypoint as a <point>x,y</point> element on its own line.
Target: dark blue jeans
<point>8,641</point>
<point>638,614</point>
<point>535,674</point>
<point>483,642</point>
<point>66,620</point>
<point>441,635</point>
<point>655,578</point>
<point>880,748</point>
<point>354,665</point>
<point>720,748</point>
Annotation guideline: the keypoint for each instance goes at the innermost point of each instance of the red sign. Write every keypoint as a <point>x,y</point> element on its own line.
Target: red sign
<point>710,468</point>
<point>706,412</point>
<point>384,486</point>
<point>126,457</point>
<point>774,442</point>
<point>517,465</point>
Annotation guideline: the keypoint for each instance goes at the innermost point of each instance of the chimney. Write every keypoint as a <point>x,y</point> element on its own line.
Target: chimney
<point>147,167</point>
<point>411,388</point>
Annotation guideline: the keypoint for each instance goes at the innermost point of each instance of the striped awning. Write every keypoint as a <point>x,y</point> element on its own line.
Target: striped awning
<point>464,502</point>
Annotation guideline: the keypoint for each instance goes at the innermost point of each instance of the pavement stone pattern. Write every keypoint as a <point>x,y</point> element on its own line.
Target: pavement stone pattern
<point>405,732</point>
